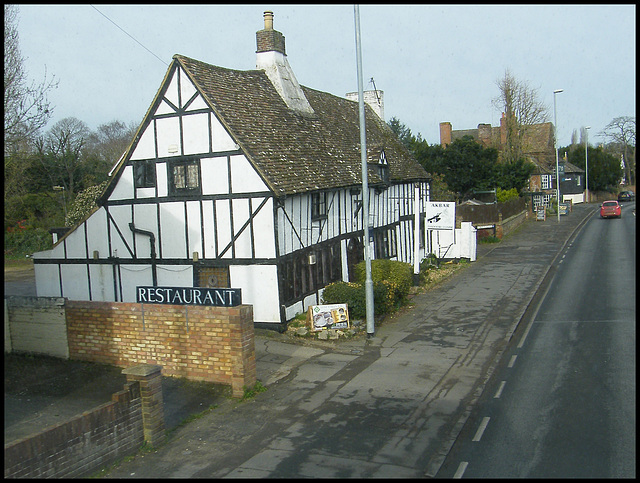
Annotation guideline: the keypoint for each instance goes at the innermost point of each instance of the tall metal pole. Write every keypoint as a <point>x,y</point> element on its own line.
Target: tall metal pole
<point>555,147</point>
<point>586,159</point>
<point>368,283</point>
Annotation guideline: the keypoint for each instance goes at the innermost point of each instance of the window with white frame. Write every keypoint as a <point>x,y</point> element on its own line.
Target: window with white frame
<point>546,181</point>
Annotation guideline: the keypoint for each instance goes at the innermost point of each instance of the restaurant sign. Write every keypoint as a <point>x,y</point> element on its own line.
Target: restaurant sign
<point>216,297</point>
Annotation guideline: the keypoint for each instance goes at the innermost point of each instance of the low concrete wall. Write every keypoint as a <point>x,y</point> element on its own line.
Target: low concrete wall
<point>36,324</point>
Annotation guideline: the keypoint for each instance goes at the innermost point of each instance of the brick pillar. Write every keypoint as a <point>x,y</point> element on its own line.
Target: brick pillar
<point>445,134</point>
<point>243,341</point>
<point>150,379</point>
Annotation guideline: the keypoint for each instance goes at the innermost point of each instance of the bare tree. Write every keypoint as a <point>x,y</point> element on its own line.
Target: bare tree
<point>61,152</point>
<point>522,108</point>
<point>26,108</point>
<point>621,134</point>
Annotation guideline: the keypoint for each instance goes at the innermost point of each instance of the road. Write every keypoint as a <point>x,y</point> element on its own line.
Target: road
<point>562,401</point>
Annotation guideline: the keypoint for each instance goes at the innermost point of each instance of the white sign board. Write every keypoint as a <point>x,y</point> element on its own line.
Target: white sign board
<point>441,215</point>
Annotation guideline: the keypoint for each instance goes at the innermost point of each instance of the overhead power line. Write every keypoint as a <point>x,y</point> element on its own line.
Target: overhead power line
<point>131,36</point>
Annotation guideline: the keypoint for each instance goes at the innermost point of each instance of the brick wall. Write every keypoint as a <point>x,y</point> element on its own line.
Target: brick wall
<point>504,216</point>
<point>82,444</point>
<point>214,344</point>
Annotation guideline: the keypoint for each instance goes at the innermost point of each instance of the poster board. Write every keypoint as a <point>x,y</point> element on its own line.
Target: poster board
<point>541,213</point>
<point>441,215</point>
<point>332,316</point>
<point>564,208</point>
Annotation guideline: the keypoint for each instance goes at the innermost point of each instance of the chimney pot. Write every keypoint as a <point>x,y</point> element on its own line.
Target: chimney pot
<point>268,20</point>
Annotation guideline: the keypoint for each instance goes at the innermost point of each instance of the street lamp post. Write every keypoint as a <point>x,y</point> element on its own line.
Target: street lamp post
<point>64,199</point>
<point>555,148</point>
<point>586,160</point>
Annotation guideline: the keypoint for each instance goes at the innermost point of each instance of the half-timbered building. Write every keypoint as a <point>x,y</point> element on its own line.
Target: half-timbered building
<point>242,179</point>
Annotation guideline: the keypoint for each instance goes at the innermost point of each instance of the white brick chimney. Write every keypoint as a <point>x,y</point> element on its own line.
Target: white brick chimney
<point>272,58</point>
<point>375,100</point>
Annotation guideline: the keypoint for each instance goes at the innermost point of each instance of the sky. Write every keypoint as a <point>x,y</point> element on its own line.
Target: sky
<point>434,63</point>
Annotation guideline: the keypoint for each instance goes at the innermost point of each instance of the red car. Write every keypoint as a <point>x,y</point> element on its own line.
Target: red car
<point>610,209</point>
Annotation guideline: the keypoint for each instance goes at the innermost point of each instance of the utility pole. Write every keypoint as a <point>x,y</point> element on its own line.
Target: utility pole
<point>368,284</point>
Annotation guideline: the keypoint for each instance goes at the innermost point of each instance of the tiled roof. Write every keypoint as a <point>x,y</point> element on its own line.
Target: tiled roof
<point>296,153</point>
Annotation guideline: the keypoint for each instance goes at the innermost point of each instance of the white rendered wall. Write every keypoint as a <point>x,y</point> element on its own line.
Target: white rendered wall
<point>173,243</point>
<point>47,282</point>
<point>175,275</point>
<point>244,178</point>
<point>196,133</point>
<point>259,284</point>
<point>215,178</point>
<point>124,187</point>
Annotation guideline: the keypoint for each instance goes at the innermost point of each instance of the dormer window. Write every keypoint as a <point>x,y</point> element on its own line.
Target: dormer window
<point>318,206</point>
<point>383,167</point>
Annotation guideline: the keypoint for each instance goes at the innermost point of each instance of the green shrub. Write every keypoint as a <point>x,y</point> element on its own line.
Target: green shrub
<point>38,210</point>
<point>506,195</point>
<point>398,277</point>
<point>489,239</point>
<point>19,243</point>
<point>353,294</point>
<point>430,262</point>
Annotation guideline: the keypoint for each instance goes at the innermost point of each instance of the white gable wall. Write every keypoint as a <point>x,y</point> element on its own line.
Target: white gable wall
<point>124,187</point>
<point>168,139</point>
<point>215,180</point>
<point>221,139</point>
<point>47,280</point>
<point>245,179</point>
<point>146,147</point>
<point>98,240</point>
<point>194,228</point>
<point>102,282</point>
<point>196,133</point>
<point>120,245</point>
<point>263,230</point>
<point>172,219</point>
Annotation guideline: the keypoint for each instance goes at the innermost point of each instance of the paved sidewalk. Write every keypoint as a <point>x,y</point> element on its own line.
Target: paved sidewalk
<point>388,406</point>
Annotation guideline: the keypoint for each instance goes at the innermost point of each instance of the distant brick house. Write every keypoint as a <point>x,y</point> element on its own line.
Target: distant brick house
<point>538,149</point>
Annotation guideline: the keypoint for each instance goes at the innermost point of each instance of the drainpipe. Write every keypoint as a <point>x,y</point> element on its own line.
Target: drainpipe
<point>152,241</point>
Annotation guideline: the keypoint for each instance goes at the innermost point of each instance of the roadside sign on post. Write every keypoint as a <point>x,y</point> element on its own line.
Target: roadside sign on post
<point>441,215</point>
